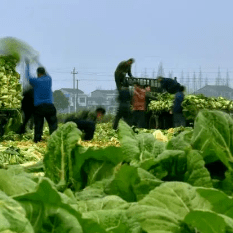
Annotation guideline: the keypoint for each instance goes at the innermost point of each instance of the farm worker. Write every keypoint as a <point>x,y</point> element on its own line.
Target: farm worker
<point>139,105</point>
<point>43,101</point>
<point>85,125</point>
<point>122,69</point>
<point>169,84</point>
<point>178,118</point>
<point>123,110</point>
<point>27,107</point>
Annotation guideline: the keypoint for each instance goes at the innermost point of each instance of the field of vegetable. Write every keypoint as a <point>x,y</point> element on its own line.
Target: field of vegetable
<point>175,181</point>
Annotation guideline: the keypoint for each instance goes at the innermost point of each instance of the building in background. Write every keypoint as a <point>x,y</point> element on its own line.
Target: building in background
<point>77,99</point>
<point>216,91</point>
<point>104,98</point>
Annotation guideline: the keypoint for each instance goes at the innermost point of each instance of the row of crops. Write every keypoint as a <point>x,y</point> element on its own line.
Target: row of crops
<point>148,183</point>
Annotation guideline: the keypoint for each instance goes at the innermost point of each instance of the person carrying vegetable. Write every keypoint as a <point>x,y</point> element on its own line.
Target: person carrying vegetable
<point>123,110</point>
<point>87,126</point>
<point>122,69</point>
<point>178,118</point>
<point>43,101</point>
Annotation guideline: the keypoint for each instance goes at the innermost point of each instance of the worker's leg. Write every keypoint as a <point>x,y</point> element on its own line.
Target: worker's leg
<point>117,119</point>
<point>119,79</point>
<point>39,123</point>
<point>141,119</point>
<point>27,116</point>
<point>51,117</point>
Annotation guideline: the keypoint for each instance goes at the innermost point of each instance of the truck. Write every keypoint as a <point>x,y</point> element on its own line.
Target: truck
<point>154,120</point>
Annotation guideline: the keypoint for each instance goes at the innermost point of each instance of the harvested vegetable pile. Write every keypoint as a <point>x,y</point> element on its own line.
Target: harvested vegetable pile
<point>192,104</point>
<point>11,89</point>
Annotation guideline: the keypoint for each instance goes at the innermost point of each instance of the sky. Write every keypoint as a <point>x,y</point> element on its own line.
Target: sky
<point>94,36</point>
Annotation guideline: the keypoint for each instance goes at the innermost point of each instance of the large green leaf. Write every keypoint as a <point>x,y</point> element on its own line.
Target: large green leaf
<point>165,207</point>
<point>206,221</point>
<point>220,202</point>
<point>114,221</point>
<point>149,147</point>
<point>104,203</point>
<point>13,216</point>
<point>90,165</point>
<point>168,166</point>
<point>47,212</point>
<point>180,142</point>
<point>14,182</point>
<point>123,182</point>
<point>147,182</point>
<point>196,173</point>
<point>57,160</point>
<point>128,141</point>
<point>93,191</point>
<point>213,136</point>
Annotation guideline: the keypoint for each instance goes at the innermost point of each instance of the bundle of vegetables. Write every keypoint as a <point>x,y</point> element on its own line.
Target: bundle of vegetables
<point>192,104</point>
<point>163,103</point>
<point>11,90</point>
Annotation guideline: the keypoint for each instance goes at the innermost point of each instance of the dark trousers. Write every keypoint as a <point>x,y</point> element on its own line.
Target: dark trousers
<point>139,118</point>
<point>27,107</point>
<point>122,113</point>
<point>178,120</point>
<point>119,78</point>
<point>47,111</point>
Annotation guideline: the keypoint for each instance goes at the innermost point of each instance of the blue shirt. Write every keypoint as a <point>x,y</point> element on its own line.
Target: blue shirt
<point>178,102</point>
<point>42,88</point>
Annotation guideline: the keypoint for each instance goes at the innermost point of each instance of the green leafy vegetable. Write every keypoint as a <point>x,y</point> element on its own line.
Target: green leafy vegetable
<point>213,137</point>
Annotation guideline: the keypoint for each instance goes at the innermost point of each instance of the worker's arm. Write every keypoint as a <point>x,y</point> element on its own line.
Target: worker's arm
<point>129,72</point>
<point>32,80</point>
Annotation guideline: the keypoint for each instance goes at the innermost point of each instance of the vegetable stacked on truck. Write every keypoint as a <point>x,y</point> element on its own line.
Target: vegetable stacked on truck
<point>11,89</point>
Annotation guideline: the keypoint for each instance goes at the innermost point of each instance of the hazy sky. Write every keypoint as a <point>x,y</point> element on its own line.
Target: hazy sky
<point>95,35</point>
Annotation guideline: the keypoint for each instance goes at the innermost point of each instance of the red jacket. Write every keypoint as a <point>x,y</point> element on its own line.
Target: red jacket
<point>139,99</point>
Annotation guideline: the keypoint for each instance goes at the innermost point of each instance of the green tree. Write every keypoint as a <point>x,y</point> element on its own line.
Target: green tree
<point>60,100</point>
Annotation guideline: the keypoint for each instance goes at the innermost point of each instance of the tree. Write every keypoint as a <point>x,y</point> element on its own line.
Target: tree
<point>60,100</point>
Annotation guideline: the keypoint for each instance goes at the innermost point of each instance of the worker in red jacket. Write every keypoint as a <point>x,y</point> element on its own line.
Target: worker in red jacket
<point>139,106</point>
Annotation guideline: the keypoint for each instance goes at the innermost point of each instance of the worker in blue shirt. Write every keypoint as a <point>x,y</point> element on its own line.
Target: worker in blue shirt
<point>43,101</point>
<point>178,118</point>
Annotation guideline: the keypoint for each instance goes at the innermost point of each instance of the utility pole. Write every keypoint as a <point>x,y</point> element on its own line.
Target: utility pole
<point>200,79</point>
<point>194,81</point>
<point>74,73</point>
